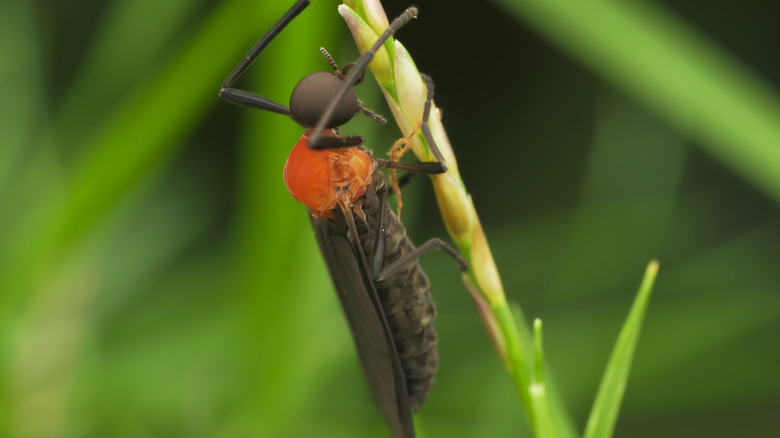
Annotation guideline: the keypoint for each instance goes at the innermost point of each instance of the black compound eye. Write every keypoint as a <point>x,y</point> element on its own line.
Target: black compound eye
<point>314,93</point>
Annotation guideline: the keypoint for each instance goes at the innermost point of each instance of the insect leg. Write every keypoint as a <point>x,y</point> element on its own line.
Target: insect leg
<point>379,237</point>
<point>439,166</point>
<point>356,72</point>
<point>342,73</point>
<point>426,167</point>
<point>350,219</point>
<point>252,100</point>
<point>405,179</point>
<point>379,272</point>
<point>245,98</point>
<point>418,252</point>
<point>426,130</point>
<point>361,106</point>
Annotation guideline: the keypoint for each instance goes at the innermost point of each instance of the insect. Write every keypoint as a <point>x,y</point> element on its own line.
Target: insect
<point>383,291</point>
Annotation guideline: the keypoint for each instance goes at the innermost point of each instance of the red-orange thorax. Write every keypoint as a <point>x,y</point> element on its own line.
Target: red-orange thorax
<point>323,179</point>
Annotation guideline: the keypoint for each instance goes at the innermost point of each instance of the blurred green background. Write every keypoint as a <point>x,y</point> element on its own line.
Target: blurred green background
<point>157,280</point>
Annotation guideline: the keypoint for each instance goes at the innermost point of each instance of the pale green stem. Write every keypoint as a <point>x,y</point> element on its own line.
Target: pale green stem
<point>405,92</point>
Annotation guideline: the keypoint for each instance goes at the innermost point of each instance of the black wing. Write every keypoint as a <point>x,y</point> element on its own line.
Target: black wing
<point>373,338</point>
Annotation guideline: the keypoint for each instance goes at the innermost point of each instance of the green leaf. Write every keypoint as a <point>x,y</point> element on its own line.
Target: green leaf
<point>138,136</point>
<point>674,71</point>
<point>603,416</point>
<point>544,418</point>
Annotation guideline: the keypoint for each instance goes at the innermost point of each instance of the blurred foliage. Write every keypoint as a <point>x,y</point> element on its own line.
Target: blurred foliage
<point>156,279</point>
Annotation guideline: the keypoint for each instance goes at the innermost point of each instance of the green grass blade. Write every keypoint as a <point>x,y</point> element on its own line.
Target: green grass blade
<point>149,126</point>
<point>113,63</point>
<point>20,81</point>
<point>652,56</point>
<point>282,285</point>
<point>139,135</point>
<point>603,416</point>
<point>544,418</point>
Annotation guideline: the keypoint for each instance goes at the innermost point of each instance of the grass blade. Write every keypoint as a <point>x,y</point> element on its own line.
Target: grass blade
<point>141,134</point>
<point>654,57</point>
<point>603,416</point>
<point>544,419</point>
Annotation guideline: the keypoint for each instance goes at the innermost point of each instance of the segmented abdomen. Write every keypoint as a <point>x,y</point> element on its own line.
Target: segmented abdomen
<point>406,300</point>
